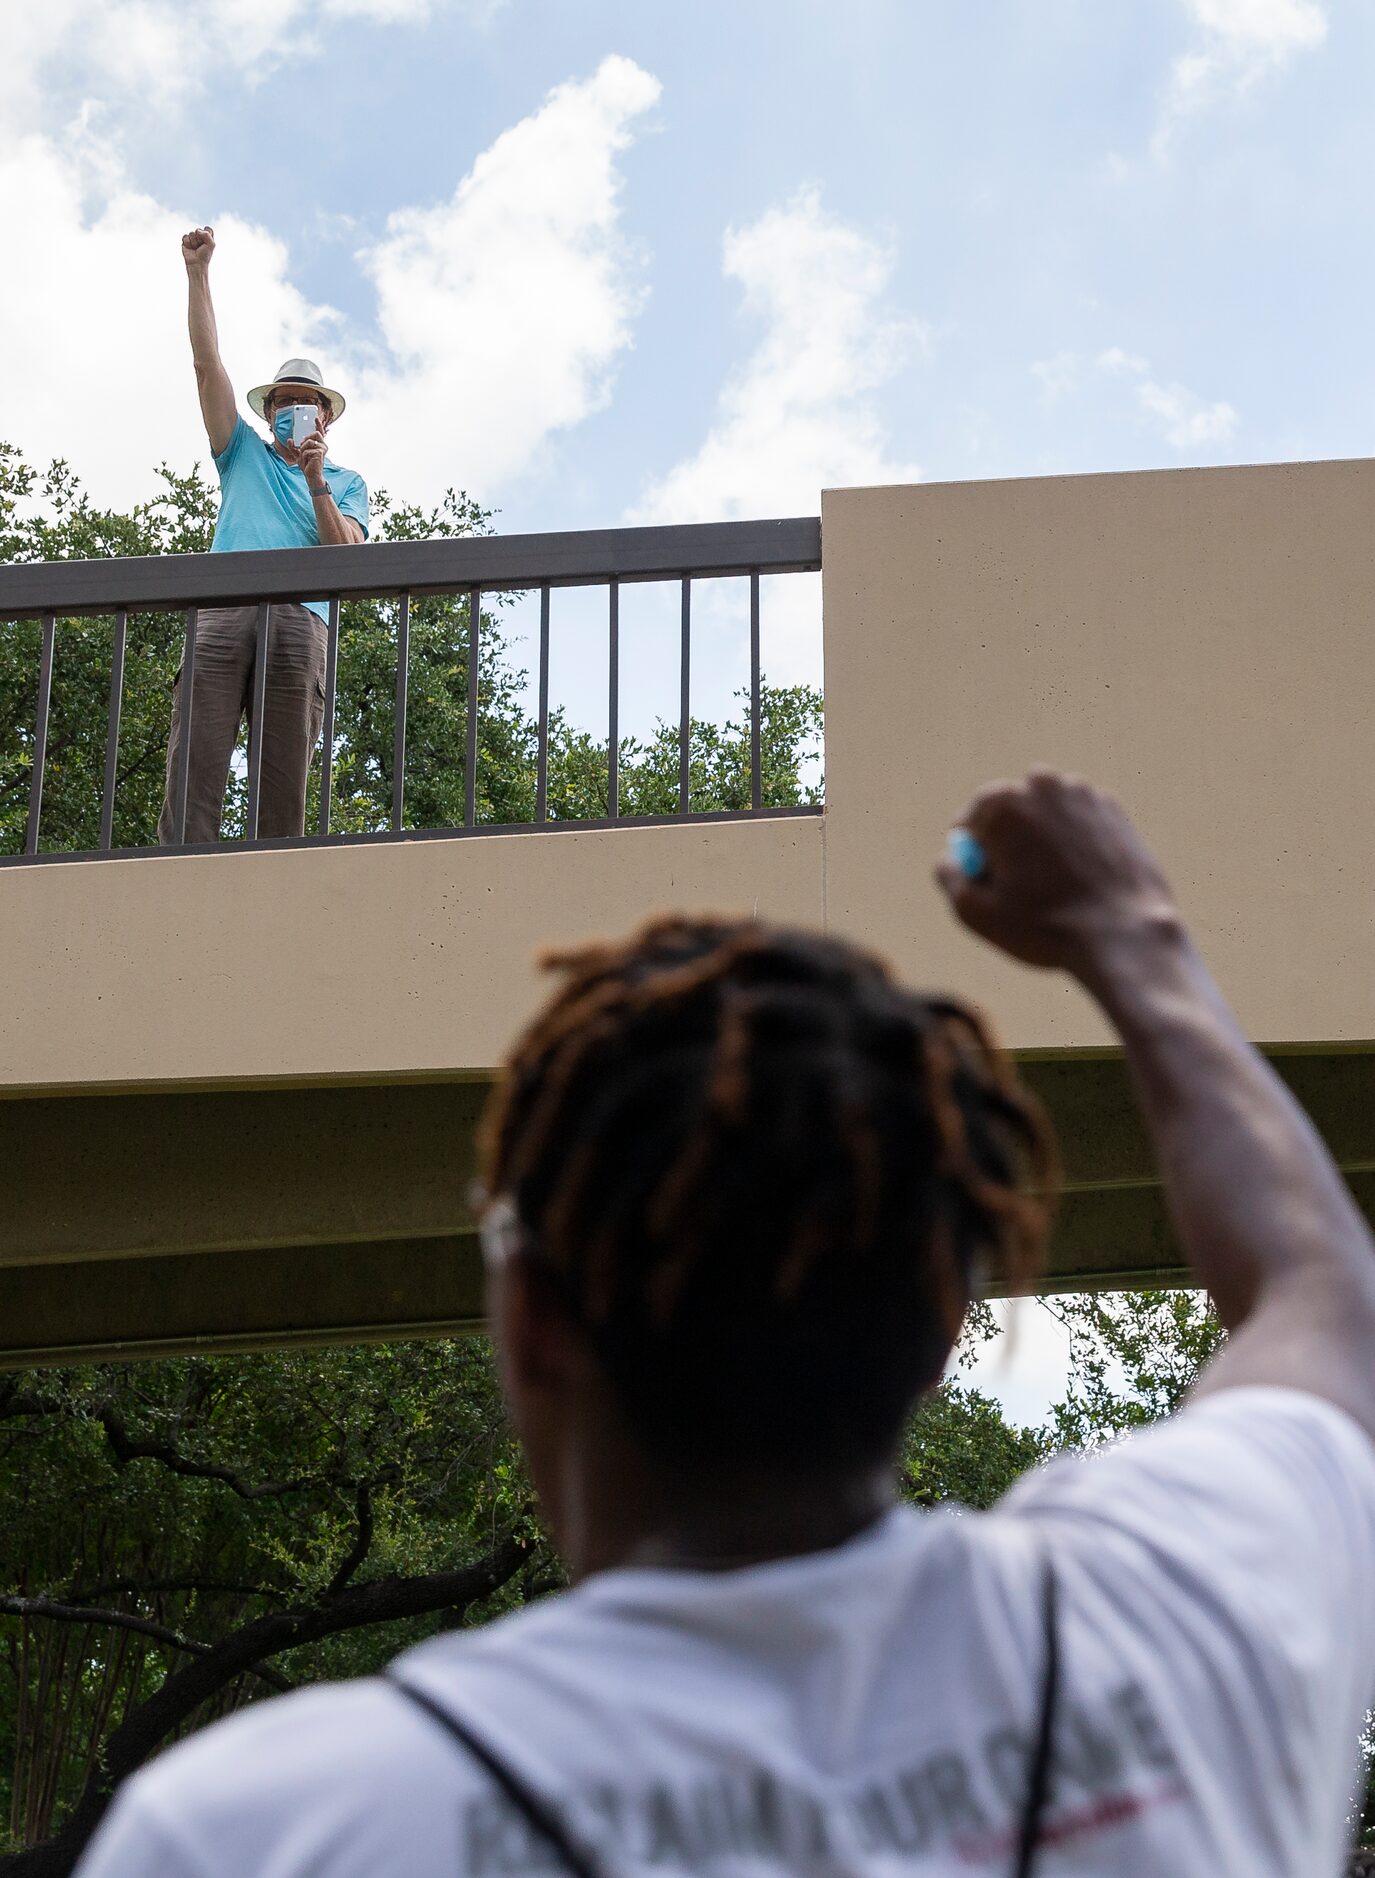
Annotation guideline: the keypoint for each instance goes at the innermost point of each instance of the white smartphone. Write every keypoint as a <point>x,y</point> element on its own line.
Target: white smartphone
<point>304,422</point>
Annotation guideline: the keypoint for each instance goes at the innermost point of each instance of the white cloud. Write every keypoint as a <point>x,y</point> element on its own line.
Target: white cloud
<point>386,12</point>
<point>97,366</point>
<point>409,12</point>
<point>503,309</point>
<point>1057,376</point>
<point>1180,415</point>
<point>500,312</point>
<point>33,35</point>
<point>1116,360</point>
<point>1272,28</point>
<point>1185,419</point>
<point>1236,42</point>
<point>136,55</point>
<point>799,415</point>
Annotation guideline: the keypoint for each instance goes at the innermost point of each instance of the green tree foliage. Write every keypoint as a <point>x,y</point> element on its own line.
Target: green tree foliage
<point>960,1447</point>
<point>1133,1357</point>
<point>49,516</point>
<point>186,1535</point>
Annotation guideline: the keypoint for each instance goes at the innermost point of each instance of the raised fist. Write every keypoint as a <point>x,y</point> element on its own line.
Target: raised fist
<point>1064,871</point>
<point>197,247</point>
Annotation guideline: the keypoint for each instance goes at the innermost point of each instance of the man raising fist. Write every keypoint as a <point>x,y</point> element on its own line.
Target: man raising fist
<point>275,492</point>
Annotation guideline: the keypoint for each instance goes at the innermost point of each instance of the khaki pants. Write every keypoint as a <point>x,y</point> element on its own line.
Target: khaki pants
<point>226,644</point>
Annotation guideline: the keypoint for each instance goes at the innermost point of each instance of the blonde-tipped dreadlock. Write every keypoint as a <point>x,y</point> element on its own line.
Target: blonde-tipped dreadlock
<point>760,1175</point>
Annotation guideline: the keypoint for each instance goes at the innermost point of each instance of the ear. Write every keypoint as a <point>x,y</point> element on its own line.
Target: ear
<point>540,1349</point>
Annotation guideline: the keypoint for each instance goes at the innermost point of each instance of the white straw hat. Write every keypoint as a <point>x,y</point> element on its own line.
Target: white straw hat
<point>296,372</point>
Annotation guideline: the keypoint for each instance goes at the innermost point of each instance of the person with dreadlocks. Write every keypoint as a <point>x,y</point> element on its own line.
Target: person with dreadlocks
<point>741,1187</point>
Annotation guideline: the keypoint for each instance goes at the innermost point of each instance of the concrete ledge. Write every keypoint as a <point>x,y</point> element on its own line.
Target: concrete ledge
<point>321,964</point>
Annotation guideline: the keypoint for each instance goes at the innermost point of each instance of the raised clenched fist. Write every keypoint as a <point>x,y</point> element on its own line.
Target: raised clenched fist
<point>197,247</point>
<point>1064,872</point>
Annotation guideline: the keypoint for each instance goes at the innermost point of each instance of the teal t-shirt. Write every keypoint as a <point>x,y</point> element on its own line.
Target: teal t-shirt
<point>264,502</point>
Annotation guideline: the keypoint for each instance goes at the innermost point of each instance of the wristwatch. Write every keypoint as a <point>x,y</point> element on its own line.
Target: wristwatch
<point>323,490</point>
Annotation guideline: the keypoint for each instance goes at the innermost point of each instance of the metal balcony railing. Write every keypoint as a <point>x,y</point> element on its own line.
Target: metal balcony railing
<point>400,572</point>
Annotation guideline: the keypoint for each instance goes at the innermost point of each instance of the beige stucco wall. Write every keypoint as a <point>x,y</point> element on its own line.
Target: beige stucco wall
<point>344,962</point>
<point>1203,641</point>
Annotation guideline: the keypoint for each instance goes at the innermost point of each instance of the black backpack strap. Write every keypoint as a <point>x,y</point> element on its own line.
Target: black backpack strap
<point>536,1811</point>
<point>1038,1778</point>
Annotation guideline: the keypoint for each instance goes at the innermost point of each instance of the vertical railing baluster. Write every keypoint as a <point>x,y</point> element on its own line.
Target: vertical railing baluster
<point>685,703</point>
<point>470,750</point>
<point>756,772</point>
<point>327,733</point>
<point>542,759</point>
<point>40,735</point>
<point>185,692</point>
<point>613,712</point>
<point>403,674</point>
<point>107,799</point>
<point>256,726</point>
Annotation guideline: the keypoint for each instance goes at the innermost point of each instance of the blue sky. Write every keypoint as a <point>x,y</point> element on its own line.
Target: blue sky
<point>618,261</point>
<point>1028,236</point>
<point>623,261</point>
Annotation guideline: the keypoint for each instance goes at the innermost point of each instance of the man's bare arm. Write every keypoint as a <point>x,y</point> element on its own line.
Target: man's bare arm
<point>212,381</point>
<point>1260,1209</point>
<point>334,528</point>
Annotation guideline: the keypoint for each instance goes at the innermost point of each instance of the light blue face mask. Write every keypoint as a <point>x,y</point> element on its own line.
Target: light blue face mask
<point>283,421</point>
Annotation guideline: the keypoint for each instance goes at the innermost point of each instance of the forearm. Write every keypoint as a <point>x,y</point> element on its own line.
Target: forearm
<point>334,528</point>
<point>1258,1205</point>
<point>200,320</point>
<point>212,381</point>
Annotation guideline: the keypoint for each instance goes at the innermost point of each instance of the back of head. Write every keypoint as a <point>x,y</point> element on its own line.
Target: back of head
<point>762,1177</point>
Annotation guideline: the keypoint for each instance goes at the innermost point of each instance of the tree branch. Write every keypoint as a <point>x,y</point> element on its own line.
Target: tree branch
<point>126,1448</point>
<point>152,751</point>
<point>13,1403</point>
<point>358,1551</point>
<point>56,1612</point>
<point>379,1600</point>
<point>153,1587</point>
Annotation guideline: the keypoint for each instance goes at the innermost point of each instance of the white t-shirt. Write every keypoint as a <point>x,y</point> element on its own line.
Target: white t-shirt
<point>866,1710</point>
